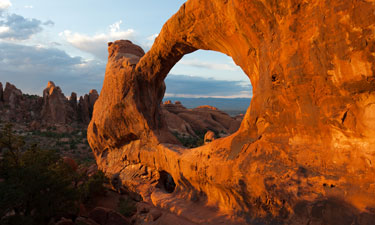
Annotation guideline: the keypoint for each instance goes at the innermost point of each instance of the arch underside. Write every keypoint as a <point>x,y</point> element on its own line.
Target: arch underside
<point>306,140</point>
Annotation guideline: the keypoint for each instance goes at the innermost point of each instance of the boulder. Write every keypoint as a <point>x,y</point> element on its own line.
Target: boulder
<point>209,137</point>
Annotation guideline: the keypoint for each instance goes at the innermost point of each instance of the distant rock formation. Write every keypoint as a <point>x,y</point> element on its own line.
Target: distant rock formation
<point>304,153</point>
<point>56,106</point>
<point>86,106</point>
<point>190,122</point>
<point>1,93</point>
<point>12,96</point>
<point>52,108</point>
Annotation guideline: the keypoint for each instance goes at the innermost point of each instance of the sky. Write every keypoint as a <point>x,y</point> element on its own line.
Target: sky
<point>66,41</point>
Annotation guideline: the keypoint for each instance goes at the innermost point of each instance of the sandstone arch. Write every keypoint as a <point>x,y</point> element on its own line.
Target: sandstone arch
<point>306,142</point>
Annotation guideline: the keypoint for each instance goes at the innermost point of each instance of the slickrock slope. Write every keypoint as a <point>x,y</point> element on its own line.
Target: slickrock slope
<point>304,153</point>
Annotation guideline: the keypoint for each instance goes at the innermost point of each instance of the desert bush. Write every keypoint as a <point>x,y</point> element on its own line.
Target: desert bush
<point>35,185</point>
<point>188,141</point>
<point>93,186</point>
<point>126,206</point>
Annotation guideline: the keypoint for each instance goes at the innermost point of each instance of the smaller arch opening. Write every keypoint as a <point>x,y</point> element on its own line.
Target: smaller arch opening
<point>166,182</point>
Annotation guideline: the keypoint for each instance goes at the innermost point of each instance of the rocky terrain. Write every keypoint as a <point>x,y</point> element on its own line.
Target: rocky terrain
<point>51,109</point>
<point>60,122</point>
<point>55,122</point>
<point>52,121</point>
<point>191,125</point>
<point>304,152</point>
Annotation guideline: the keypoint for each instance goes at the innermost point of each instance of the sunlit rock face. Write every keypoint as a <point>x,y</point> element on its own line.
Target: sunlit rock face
<point>304,153</point>
<point>55,103</point>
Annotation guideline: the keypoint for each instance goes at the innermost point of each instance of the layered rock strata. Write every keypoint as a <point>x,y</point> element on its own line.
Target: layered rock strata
<point>304,153</point>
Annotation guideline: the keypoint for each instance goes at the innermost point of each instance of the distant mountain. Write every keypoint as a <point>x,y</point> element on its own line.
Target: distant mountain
<point>232,106</point>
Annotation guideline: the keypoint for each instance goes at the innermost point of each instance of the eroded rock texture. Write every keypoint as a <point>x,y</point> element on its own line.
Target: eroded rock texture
<point>304,153</point>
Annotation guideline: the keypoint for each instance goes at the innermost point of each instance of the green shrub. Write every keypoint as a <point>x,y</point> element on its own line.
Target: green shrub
<point>36,185</point>
<point>126,206</point>
<point>94,186</point>
<point>188,141</point>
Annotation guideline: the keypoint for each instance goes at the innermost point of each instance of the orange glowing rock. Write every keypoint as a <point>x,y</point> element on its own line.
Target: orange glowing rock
<point>305,150</point>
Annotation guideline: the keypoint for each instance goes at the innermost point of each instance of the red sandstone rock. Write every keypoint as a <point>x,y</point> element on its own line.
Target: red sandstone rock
<point>12,96</point>
<point>209,137</point>
<point>54,105</point>
<point>207,107</point>
<point>305,146</point>
<point>190,122</point>
<point>1,93</point>
<point>177,125</point>
<point>86,106</point>
<point>51,110</point>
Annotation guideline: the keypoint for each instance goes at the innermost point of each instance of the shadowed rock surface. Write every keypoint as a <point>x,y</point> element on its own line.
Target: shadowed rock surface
<point>52,108</point>
<point>304,153</point>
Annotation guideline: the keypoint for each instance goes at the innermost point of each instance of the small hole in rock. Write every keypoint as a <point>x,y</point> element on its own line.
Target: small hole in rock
<point>166,182</point>
<point>274,77</point>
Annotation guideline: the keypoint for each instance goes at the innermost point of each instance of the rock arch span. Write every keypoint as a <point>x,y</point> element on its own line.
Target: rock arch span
<point>306,143</point>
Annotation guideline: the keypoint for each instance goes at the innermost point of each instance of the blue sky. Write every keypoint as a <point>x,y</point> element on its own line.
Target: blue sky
<point>66,42</point>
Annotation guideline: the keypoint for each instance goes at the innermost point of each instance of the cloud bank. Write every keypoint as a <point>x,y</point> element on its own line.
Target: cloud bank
<point>97,44</point>
<point>4,5</point>
<point>16,27</point>
<point>31,67</point>
<point>208,65</point>
<point>189,86</point>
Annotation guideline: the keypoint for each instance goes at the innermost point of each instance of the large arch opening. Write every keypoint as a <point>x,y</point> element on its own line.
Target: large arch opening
<point>206,98</point>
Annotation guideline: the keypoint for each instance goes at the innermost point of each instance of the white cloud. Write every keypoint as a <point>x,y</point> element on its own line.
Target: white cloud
<point>152,37</point>
<point>4,4</point>
<point>208,65</point>
<point>97,44</point>
<point>28,6</point>
<point>4,29</point>
<point>149,42</point>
